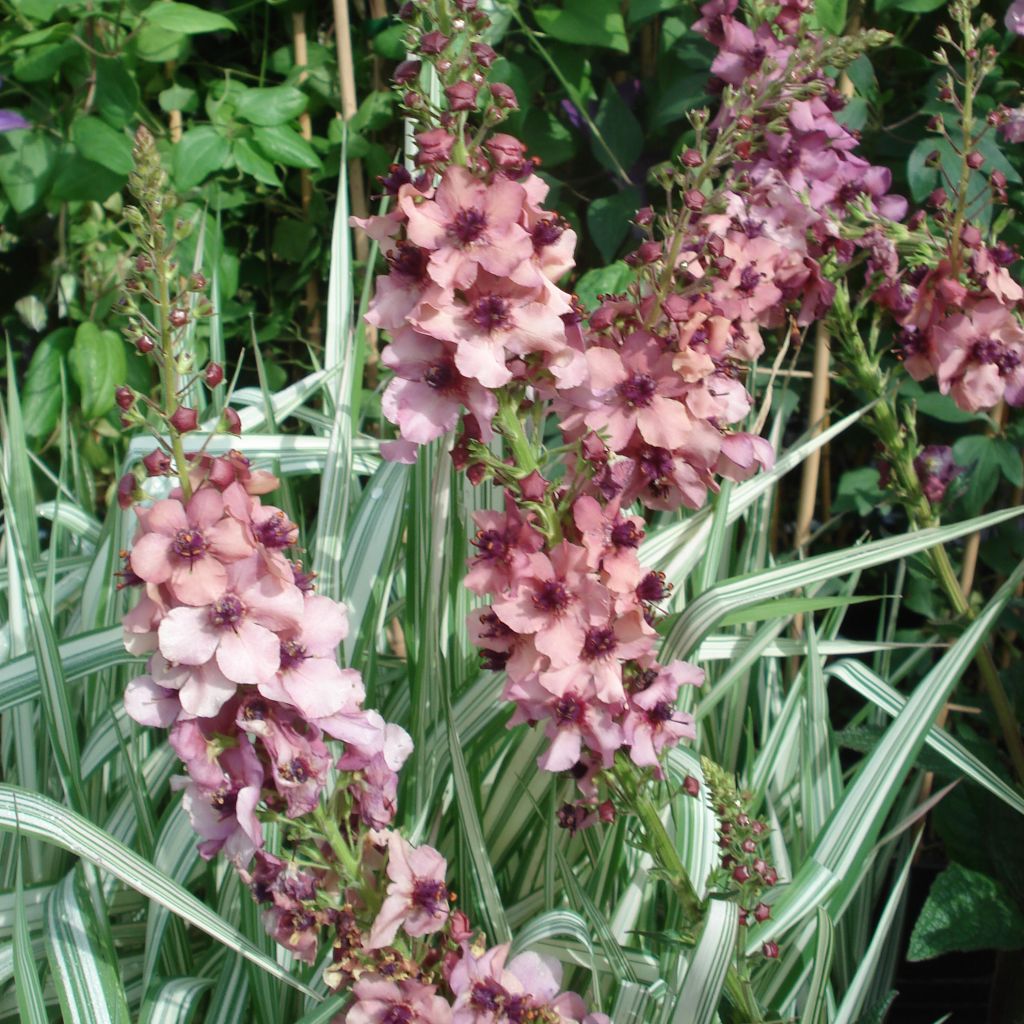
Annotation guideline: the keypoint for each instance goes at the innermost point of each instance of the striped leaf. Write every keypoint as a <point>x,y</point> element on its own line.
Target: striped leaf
<point>29,991</point>
<point>176,1001</point>
<point>701,991</point>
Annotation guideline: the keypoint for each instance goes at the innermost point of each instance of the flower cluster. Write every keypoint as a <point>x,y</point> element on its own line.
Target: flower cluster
<point>572,627</point>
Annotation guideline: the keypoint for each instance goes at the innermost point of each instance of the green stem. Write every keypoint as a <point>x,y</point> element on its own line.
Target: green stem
<point>866,378</point>
<point>168,367</point>
<point>341,850</point>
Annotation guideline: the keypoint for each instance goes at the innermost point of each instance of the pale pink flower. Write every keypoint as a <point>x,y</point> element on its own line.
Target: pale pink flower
<point>653,722</point>
<point>378,1001</point>
<point>202,689</point>
<point>187,548</point>
<point>149,703</point>
<point>504,543</point>
<point>611,541</point>
<point>417,898</point>
<point>1014,17</point>
<point>237,627</point>
<point>470,225</point>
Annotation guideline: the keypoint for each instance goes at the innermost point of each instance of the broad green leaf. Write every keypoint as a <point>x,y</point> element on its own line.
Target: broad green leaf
<point>608,220</point>
<point>82,961</point>
<point>178,97</point>
<point>251,162</point>
<point>157,45</point>
<point>619,129</point>
<point>201,152</point>
<point>117,94</point>
<point>276,104</point>
<point>40,391</point>
<point>816,1007</point>
<point>40,63</point>
<point>98,365</point>
<point>107,146</point>
<point>610,280</point>
<point>32,814</point>
<point>980,457</point>
<point>831,15</point>
<point>547,137</point>
<point>585,23</point>
<point>79,178</point>
<point>965,911</point>
<point>284,145</point>
<point>27,164</point>
<point>186,18</point>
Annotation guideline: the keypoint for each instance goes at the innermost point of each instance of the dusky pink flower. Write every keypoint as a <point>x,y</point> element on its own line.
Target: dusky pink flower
<point>417,897</point>
<point>556,602</point>
<point>186,548</point>
<point>1014,17</point>
<point>664,480</point>
<point>491,320</point>
<point>504,542</point>
<point>378,1001</point>
<point>470,225</point>
<point>611,541</point>
<point>297,928</point>
<point>637,388</point>
<point>237,626</point>
<point>399,292</point>
<point>202,689</point>
<point>139,626</point>
<point>742,454</point>
<point>597,664</point>
<point>427,394</point>
<point>309,676</point>
<point>653,722</point>
<point>749,291</point>
<point>979,356</point>
<point>742,53</point>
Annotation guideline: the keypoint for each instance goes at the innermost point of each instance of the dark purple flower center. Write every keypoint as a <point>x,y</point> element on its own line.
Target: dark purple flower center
<point>519,1008</point>
<point>848,192</point>
<point>440,376</point>
<point>698,337</point>
<point>490,313</point>
<point>755,57</point>
<point>226,612</point>
<point>487,995</point>
<point>546,232</point>
<point>255,710</point>
<point>468,225</point>
<point>189,544</point>
<point>639,679</point>
<point>491,544</point>
<point>661,712</point>
<point>397,1013</point>
<point>752,228</point>
<point>599,642</point>
<point>626,535</point>
<point>276,532</point>
<point>638,389</point>
<point>568,710</point>
<point>292,654</point>
<point>656,463</point>
<point>409,260</point>
<point>430,894</point>
<point>552,596</point>
<point>749,279</point>
<point>652,588</point>
<point>295,770</point>
<point>990,351</point>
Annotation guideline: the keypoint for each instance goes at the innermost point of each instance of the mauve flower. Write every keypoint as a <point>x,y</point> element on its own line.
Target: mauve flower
<point>433,147</point>
<point>1012,128</point>
<point>378,1001</point>
<point>980,356</point>
<point>652,721</point>
<point>417,898</point>
<point>202,689</point>
<point>10,120</point>
<point>470,224</point>
<point>936,470</point>
<point>504,543</point>
<point>237,627</point>
<point>1014,17</point>
<point>149,703</point>
<point>186,548</point>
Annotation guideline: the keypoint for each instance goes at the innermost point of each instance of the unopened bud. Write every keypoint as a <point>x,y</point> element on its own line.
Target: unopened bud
<point>144,343</point>
<point>157,463</point>
<point>232,421</point>
<point>214,374</point>
<point>184,419</point>
<point>975,160</point>
<point>770,950</point>
<point>691,158</point>
<point>691,786</point>
<point>125,398</point>
<point>178,317</point>
<point>762,912</point>
<point>694,200</point>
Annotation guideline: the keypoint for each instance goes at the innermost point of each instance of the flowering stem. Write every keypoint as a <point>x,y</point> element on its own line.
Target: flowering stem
<point>865,376</point>
<point>169,369</point>
<point>341,850</point>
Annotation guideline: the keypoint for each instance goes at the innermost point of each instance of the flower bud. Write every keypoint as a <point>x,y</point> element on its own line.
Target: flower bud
<point>691,786</point>
<point>504,96</point>
<point>214,375</point>
<point>741,873</point>
<point>461,96</point>
<point>144,343</point>
<point>770,950</point>
<point>157,463</point>
<point>433,43</point>
<point>606,812</point>
<point>434,146</point>
<point>178,317</point>
<point>459,926</point>
<point>484,54</point>
<point>694,200</point>
<point>762,912</point>
<point>184,419</point>
<point>691,158</point>
<point>127,488</point>
<point>196,282</point>
<point>748,846</point>
<point>407,71</point>
<point>125,398</point>
<point>975,160</point>
<point>232,421</point>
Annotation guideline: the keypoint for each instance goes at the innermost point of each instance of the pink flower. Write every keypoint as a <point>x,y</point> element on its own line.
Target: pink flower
<point>237,626</point>
<point>149,703</point>
<point>980,356</point>
<point>405,1002</point>
<point>186,548</point>
<point>309,677</point>
<point>652,721</point>
<point>1014,17</point>
<point>556,603</point>
<point>504,543</point>
<point>417,898</point>
<point>202,689</point>
<point>427,394</point>
<point>470,225</point>
<point>611,542</point>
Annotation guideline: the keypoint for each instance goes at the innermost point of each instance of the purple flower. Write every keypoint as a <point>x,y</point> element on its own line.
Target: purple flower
<point>10,120</point>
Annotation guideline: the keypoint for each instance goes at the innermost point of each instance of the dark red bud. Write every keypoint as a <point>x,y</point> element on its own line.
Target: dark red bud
<point>975,160</point>
<point>214,374</point>
<point>749,846</point>
<point>126,488</point>
<point>125,398</point>
<point>691,158</point>
<point>691,786</point>
<point>184,419</point>
<point>232,421</point>
<point>694,200</point>
<point>408,71</point>
<point>142,263</point>
<point>606,811</point>
<point>178,317</point>
<point>144,343</point>
<point>770,950</point>
<point>741,873</point>
<point>762,912</point>
<point>157,463</point>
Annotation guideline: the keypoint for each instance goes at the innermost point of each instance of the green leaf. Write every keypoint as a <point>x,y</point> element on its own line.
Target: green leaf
<point>117,95</point>
<point>107,146</point>
<point>157,45</point>
<point>585,23</point>
<point>175,1002</point>
<point>790,606</point>
<point>81,178</point>
<point>29,992</point>
<point>944,408</point>
<point>619,128</point>
<point>251,162</point>
<point>41,63</point>
<point>816,1007</point>
<point>186,18</point>
<point>977,453</point>
<point>284,145</point>
<point>641,10</point>
<point>610,280</point>
<point>1008,457</point>
<point>293,239</point>
<point>831,15</point>
<point>26,167</point>
<point>608,220</point>
<point>178,97</point>
<point>547,137</point>
<point>40,393</point>
<point>965,911</point>
<point>701,991</point>
<point>82,960</point>
<point>97,362</point>
<point>274,105</point>
<point>910,6</point>
<point>201,152</point>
